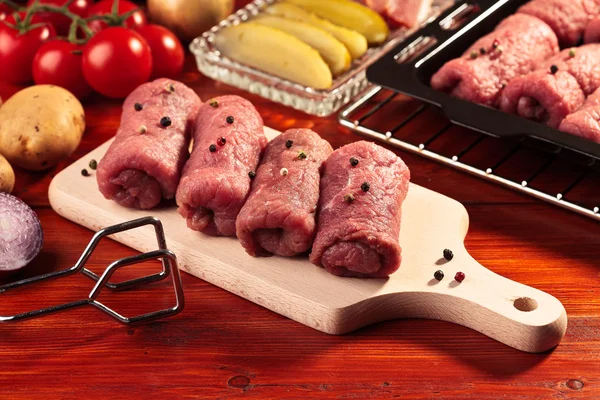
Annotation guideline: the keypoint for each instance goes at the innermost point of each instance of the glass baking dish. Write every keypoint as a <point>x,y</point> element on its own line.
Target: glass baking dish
<point>312,101</point>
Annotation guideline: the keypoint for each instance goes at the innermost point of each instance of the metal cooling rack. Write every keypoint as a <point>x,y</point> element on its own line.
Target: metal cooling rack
<point>390,117</point>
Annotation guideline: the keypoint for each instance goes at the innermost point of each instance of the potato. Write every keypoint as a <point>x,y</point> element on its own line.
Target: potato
<point>7,176</point>
<point>40,126</point>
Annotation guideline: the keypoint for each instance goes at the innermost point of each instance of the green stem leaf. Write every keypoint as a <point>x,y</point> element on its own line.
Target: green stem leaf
<point>115,8</point>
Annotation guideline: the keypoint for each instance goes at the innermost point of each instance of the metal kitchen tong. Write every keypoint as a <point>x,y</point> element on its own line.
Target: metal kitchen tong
<point>169,262</point>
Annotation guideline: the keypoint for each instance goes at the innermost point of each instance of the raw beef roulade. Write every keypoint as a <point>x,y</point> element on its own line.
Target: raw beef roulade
<point>558,88</point>
<point>511,50</point>
<point>279,215</point>
<point>143,164</point>
<point>567,18</point>
<point>228,142</point>
<point>586,121</point>
<point>592,31</point>
<point>408,13</point>
<point>362,190</point>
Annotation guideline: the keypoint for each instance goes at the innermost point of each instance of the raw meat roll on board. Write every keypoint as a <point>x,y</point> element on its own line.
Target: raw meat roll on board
<point>558,88</point>
<point>592,31</point>
<point>586,121</point>
<point>228,142</point>
<point>511,50</point>
<point>279,215</point>
<point>567,18</point>
<point>143,165</point>
<point>362,190</point>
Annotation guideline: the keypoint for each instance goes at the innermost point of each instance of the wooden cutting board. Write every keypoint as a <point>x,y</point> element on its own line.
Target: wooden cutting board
<point>517,315</point>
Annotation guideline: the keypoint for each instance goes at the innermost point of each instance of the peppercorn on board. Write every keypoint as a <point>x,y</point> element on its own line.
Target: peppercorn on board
<point>517,315</point>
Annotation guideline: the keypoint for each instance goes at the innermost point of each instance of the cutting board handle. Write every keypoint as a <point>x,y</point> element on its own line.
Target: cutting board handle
<point>512,313</point>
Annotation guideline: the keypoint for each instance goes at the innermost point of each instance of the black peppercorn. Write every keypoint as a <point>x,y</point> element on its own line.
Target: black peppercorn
<point>165,121</point>
<point>138,106</point>
<point>438,275</point>
<point>252,174</point>
<point>553,69</point>
<point>212,148</point>
<point>482,51</point>
<point>353,161</point>
<point>289,143</point>
<point>302,155</point>
<point>365,186</point>
<point>93,164</point>
<point>85,172</point>
<point>229,120</point>
<point>448,255</point>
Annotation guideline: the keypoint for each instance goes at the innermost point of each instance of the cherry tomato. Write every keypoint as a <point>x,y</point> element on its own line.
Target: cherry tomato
<point>167,52</point>
<point>58,63</point>
<point>17,50</point>
<point>60,22</point>
<point>5,10</point>
<point>116,61</point>
<point>136,20</point>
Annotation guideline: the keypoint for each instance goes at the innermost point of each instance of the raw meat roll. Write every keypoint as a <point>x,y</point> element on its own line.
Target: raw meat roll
<point>362,190</point>
<point>279,215</point>
<point>228,142</point>
<point>592,31</point>
<point>558,88</point>
<point>586,121</point>
<point>143,164</point>
<point>567,18</point>
<point>408,13</point>
<point>511,50</point>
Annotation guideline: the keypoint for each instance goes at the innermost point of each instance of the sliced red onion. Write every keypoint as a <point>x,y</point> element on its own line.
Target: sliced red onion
<point>21,235</point>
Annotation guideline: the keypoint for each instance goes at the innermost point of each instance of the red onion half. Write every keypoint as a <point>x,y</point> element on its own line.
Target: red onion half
<point>21,235</point>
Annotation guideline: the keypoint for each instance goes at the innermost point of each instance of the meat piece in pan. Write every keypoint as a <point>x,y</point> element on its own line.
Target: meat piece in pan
<point>567,18</point>
<point>511,50</point>
<point>279,215</point>
<point>228,143</point>
<point>362,190</point>
<point>586,121</point>
<point>143,164</point>
<point>557,88</point>
<point>409,13</point>
<point>592,31</point>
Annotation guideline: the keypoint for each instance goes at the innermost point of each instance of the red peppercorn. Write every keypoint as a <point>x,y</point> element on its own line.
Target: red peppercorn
<point>495,43</point>
<point>221,141</point>
<point>459,277</point>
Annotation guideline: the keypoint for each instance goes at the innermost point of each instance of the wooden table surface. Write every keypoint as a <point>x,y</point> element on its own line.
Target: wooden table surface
<point>222,346</point>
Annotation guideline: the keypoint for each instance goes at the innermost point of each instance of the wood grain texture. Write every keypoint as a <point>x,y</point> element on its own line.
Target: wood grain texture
<point>223,346</point>
<point>512,313</point>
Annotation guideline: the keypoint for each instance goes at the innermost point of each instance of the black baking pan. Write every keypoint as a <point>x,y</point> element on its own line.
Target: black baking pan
<point>409,66</point>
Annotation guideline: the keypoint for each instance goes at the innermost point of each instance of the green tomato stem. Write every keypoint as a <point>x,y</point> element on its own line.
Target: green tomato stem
<point>115,8</point>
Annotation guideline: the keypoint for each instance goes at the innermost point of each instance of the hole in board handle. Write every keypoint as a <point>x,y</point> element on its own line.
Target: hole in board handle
<point>525,304</point>
<point>458,17</point>
<point>414,49</point>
